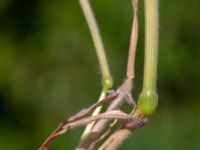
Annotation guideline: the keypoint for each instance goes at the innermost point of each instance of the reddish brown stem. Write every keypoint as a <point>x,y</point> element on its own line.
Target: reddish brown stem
<point>133,43</point>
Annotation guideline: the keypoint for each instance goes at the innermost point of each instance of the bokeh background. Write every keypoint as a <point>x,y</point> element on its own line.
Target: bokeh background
<point>49,70</point>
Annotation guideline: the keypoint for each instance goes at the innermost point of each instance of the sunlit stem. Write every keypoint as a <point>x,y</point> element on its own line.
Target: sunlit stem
<point>107,81</point>
<point>148,97</point>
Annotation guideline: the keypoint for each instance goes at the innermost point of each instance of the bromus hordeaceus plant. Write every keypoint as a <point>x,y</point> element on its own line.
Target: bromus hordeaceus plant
<point>148,98</point>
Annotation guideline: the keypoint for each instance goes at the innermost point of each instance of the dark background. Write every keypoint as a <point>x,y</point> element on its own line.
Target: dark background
<point>49,70</point>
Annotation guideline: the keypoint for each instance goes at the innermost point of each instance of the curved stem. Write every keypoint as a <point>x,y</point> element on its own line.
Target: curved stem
<point>107,80</point>
<point>94,30</point>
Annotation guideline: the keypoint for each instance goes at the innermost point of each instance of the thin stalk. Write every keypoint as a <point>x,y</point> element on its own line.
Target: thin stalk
<point>107,80</point>
<point>94,30</point>
<point>133,43</point>
<point>148,98</point>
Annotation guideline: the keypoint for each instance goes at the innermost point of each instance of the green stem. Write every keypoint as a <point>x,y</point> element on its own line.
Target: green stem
<point>148,97</point>
<point>94,30</point>
<point>151,44</point>
<point>107,81</point>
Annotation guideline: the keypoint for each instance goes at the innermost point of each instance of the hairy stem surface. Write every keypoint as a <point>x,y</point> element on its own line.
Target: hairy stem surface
<point>94,30</point>
<point>106,76</point>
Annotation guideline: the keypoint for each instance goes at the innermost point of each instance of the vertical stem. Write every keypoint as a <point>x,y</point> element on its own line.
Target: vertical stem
<point>151,44</point>
<point>133,43</point>
<point>148,98</point>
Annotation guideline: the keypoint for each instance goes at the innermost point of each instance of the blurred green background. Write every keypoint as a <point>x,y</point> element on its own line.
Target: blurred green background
<point>49,70</point>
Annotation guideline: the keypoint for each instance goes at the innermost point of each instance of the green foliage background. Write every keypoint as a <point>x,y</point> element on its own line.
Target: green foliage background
<point>49,70</point>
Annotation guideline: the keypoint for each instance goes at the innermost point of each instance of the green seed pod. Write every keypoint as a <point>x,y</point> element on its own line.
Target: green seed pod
<point>148,101</point>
